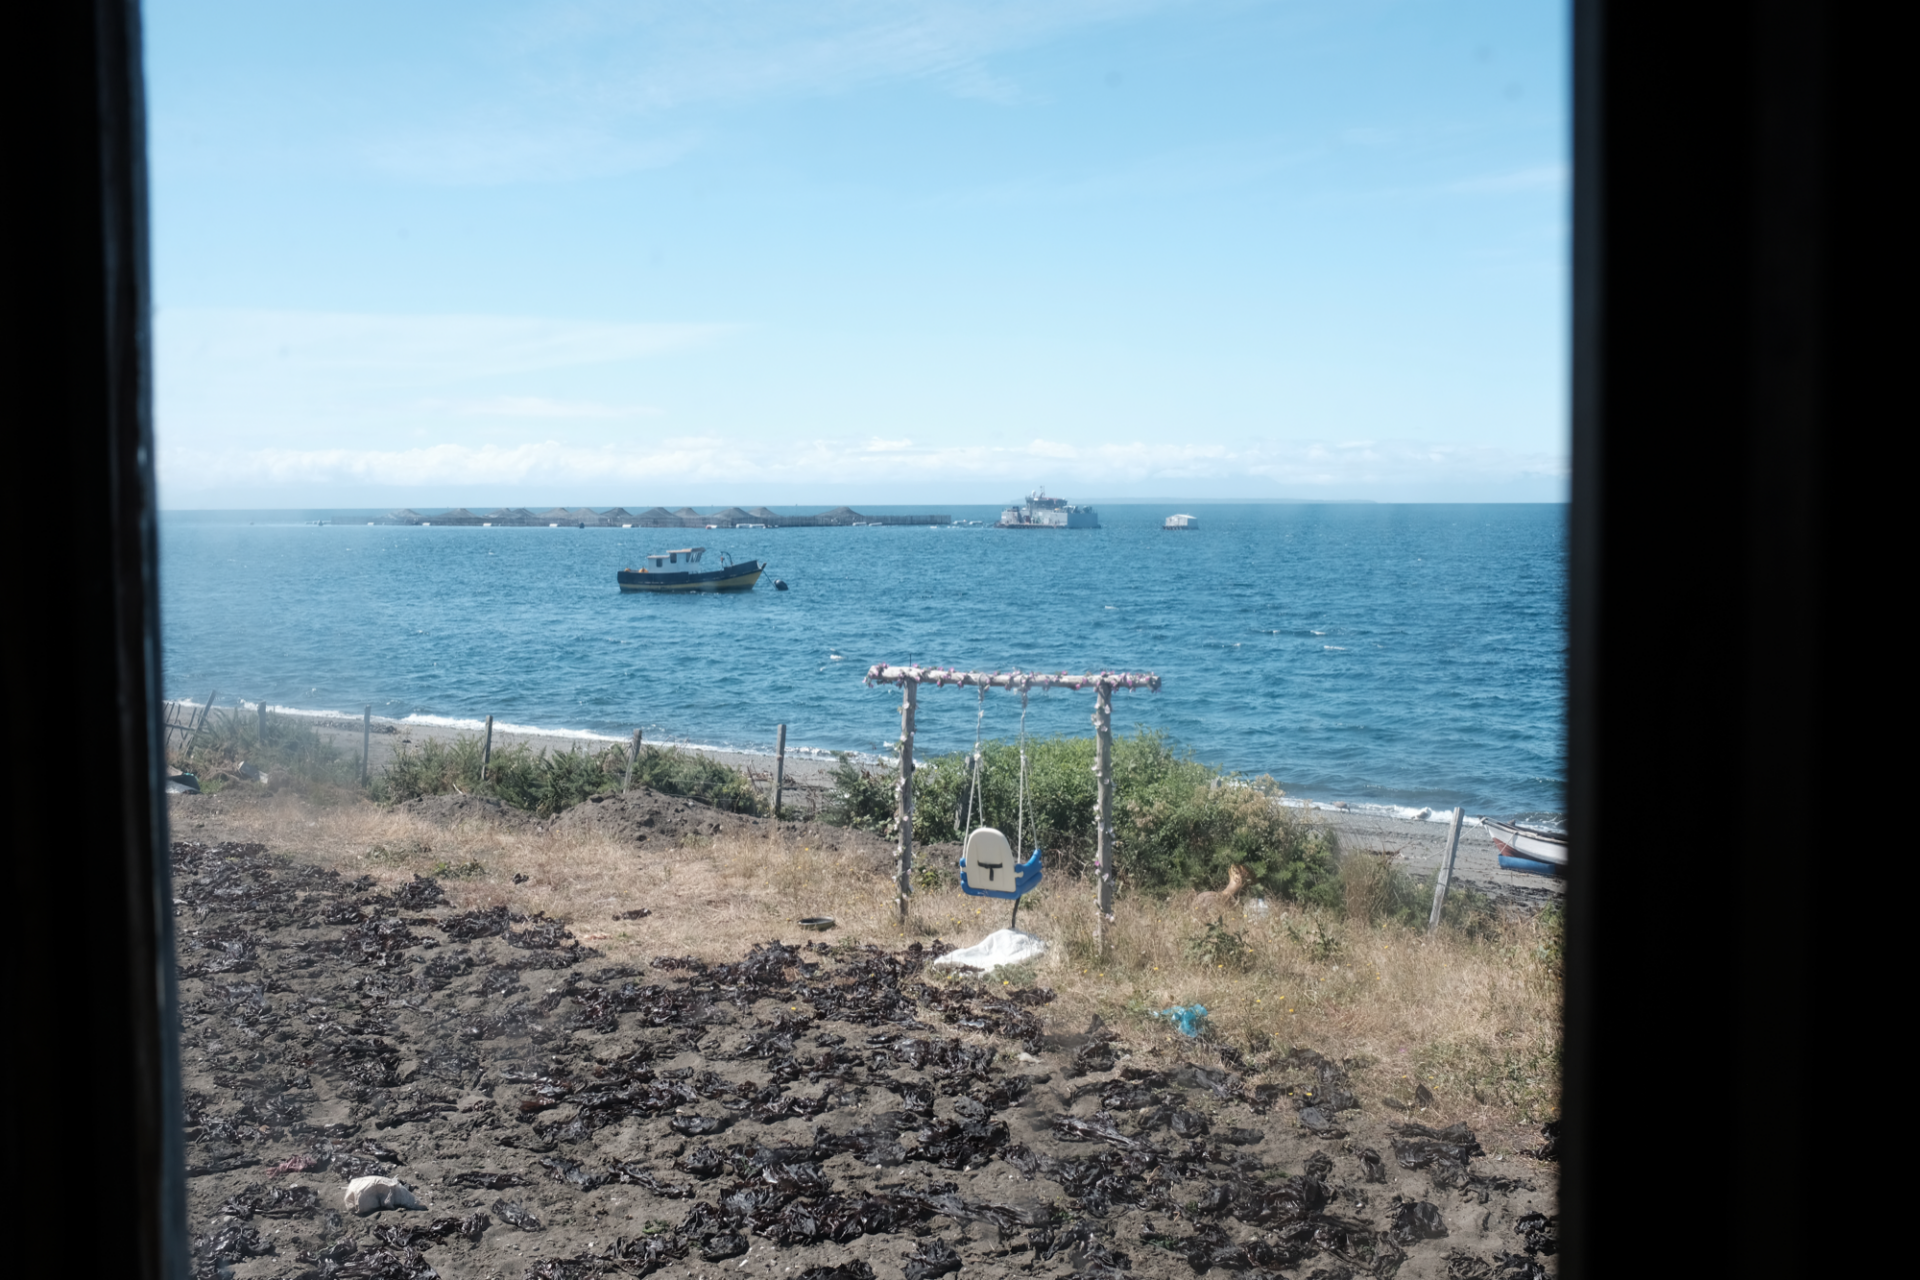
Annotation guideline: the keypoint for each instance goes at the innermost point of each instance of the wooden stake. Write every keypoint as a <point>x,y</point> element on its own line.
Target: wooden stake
<point>263,722</point>
<point>486,752</point>
<point>903,813</point>
<point>633,758</point>
<point>779,765</point>
<point>201,723</point>
<point>366,746</point>
<point>1446,871</point>
<point>1103,807</point>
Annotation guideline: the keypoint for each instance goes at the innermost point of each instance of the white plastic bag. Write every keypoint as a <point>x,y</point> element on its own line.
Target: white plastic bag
<point>1004,946</point>
<point>368,1195</point>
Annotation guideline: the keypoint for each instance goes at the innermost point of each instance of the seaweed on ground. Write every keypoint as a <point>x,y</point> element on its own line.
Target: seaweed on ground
<point>799,1096</point>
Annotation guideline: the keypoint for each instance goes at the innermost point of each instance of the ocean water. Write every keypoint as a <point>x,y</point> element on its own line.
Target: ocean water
<point>1411,656</point>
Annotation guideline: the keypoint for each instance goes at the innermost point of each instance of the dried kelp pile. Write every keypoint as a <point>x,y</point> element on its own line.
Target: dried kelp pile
<point>831,1113</point>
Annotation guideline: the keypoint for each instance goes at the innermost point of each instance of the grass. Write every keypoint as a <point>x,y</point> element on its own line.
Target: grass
<point>547,782</point>
<point>1472,1011</point>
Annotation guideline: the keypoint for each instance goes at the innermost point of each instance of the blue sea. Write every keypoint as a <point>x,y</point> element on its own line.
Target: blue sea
<point>1407,656</point>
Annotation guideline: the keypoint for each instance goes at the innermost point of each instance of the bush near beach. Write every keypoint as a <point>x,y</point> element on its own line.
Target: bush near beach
<point>291,753</point>
<point>547,782</point>
<point>1178,823</point>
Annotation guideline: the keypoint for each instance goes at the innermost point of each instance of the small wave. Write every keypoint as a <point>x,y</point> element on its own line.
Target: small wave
<point>1334,648</point>
<point>1399,812</point>
<point>503,726</point>
<point>834,657</point>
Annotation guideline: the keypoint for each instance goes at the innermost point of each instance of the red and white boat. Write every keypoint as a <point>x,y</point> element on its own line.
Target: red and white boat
<point>1524,847</point>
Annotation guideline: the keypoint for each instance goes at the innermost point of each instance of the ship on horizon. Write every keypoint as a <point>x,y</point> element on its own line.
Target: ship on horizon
<point>1041,512</point>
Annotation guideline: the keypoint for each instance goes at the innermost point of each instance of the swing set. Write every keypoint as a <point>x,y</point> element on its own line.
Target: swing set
<point>987,850</point>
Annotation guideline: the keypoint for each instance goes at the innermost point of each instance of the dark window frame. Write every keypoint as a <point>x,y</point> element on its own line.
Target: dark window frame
<point>1733,237</point>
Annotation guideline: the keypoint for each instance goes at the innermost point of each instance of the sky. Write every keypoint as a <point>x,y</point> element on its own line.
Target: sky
<point>542,253</point>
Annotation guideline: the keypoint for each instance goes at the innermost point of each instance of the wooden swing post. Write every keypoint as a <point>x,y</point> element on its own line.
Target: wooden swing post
<point>910,679</point>
<point>903,791</point>
<point>1103,808</point>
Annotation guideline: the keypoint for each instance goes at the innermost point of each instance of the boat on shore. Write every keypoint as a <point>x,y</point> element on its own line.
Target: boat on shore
<point>1182,522</point>
<point>1540,851</point>
<point>680,571</point>
<point>1041,512</point>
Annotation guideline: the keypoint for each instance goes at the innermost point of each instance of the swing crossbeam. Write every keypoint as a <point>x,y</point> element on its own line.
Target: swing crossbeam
<point>883,673</point>
<point>1103,683</point>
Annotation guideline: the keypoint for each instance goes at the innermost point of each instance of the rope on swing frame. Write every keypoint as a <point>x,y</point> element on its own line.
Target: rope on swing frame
<point>1020,825</point>
<point>974,814</point>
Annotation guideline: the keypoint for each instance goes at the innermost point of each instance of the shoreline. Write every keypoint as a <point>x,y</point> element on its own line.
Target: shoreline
<point>1415,843</point>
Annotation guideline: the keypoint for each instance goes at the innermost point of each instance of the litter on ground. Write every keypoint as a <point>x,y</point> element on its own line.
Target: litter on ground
<point>1003,946</point>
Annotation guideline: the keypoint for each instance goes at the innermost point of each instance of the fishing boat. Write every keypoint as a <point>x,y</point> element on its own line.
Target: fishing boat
<point>1524,847</point>
<point>1182,522</point>
<point>680,571</point>
<point>1041,512</point>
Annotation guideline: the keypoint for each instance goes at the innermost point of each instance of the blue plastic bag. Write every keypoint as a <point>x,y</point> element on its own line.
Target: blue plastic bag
<point>1187,1019</point>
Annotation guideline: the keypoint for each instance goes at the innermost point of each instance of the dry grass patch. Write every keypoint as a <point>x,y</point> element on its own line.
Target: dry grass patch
<point>1476,1019</point>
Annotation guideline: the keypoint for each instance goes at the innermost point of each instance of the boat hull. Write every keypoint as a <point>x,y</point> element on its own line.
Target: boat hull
<point>1531,866</point>
<point>739,577</point>
<point>1518,842</point>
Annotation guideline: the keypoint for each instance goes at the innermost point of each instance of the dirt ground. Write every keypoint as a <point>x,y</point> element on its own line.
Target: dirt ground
<point>807,1109</point>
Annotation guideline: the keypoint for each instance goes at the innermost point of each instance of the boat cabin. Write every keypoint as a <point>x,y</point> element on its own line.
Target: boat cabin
<point>686,555</point>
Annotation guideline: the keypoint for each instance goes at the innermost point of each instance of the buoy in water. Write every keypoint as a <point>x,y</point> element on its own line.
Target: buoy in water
<point>779,584</point>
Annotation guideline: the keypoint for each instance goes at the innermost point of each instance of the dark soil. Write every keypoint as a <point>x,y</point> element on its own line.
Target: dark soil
<point>799,1113</point>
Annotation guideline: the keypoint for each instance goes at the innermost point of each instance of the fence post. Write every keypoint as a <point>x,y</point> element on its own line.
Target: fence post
<point>366,746</point>
<point>486,752</point>
<point>1446,871</point>
<point>909,691</point>
<point>201,722</point>
<point>633,757</point>
<point>779,766</point>
<point>1103,807</point>
<point>263,722</point>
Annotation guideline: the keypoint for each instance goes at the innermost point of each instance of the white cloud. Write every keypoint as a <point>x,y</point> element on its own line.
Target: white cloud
<point>669,461</point>
<point>409,348</point>
<point>586,88</point>
<point>483,152</point>
<point>228,378</point>
<point>657,56</point>
<point>1540,177</point>
<point>542,407</point>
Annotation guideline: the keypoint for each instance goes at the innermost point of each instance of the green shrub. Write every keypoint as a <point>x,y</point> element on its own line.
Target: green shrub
<point>684,773</point>
<point>1219,946</point>
<point>457,871</point>
<point>292,753</point>
<point>546,782</point>
<point>862,799</point>
<point>1177,822</point>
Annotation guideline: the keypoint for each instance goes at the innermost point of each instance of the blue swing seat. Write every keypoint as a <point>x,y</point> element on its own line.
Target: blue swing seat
<point>991,858</point>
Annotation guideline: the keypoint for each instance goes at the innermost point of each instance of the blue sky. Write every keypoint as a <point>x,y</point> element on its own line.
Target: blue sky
<point>497,252</point>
